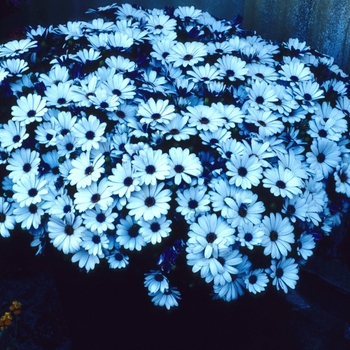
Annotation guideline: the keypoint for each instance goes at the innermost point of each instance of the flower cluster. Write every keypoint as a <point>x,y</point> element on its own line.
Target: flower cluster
<point>173,129</point>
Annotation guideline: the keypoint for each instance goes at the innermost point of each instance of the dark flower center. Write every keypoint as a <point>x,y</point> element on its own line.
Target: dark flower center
<point>155,227</point>
<point>252,279</point>
<point>158,277</point>
<point>64,132</point>
<point>33,209</point>
<point>104,104</point>
<point>230,73</point>
<point>156,116</point>
<point>49,137</point>
<point>95,198</point>
<point>322,133</point>
<point>242,211</point>
<point>66,208</point>
<point>242,171</point>
<point>32,192</point>
<point>179,168</point>
<point>204,120</point>
<point>248,237</point>
<point>100,217</point>
<point>290,209</point>
<point>307,97</point>
<point>262,123</point>
<point>26,167</point>
<point>61,101</point>
<point>279,272</point>
<point>150,201</point>
<point>127,181</point>
<point>89,170</point>
<point>259,75</point>
<point>69,146</point>
<point>96,239</point>
<point>192,204</point>
<point>174,132</point>
<point>321,158</point>
<point>118,256</point>
<point>68,230</point>
<point>134,231</point>
<point>259,100</point>
<point>188,57</point>
<point>158,26</point>
<point>273,236</point>
<point>16,138</point>
<point>116,92</point>
<point>31,113</point>
<point>2,217</point>
<point>120,114</point>
<point>211,237</point>
<point>281,184</point>
<point>150,169</point>
<point>294,78</point>
<point>343,178</point>
<point>214,141</point>
<point>90,135</point>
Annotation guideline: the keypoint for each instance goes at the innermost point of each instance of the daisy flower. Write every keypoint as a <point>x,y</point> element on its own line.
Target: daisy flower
<point>266,122</point>
<point>177,128</point>
<point>150,166</point>
<point>29,217</point>
<point>23,161</point>
<point>59,95</point>
<point>183,165</point>
<point>89,133</point>
<point>12,135</point>
<point>98,220</point>
<point>204,118</point>
<point>342,179</point>
<point>14,66</point>
<point>278,235</point>
<point>168,298</point>
<point>7,219</point>
<point>150,202</point>
<point>192,202</point>
<point>17,47</point>
<point>94,243</point>
<point>244,171</point>
<point>29,190</point>
<point>305,245</point>
<point>204,73</point>
<point>154,230</point>
<point>66,233</point>
<point>85,170</point>
<point>117,260</point>
<point>244,208</point>
<point>284,273</point>
<point>282,182</point>
<point>155,281</point>
<point>323,158</point>
<point>295,71</point>
<point>256,281</point>
<point>85,260</point>
<point>187,54</point>
<point>61,206</point>
<point>29,108</point>
<point>128,234</point>
<point>307,93</point>
<point>123,182</point>
<point>209,235</point>
<point>231,67</point>
<point>250,235</point>
<point>153,112</point>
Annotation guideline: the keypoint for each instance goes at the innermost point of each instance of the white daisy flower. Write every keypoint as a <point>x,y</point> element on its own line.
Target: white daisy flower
<point>284,273</point>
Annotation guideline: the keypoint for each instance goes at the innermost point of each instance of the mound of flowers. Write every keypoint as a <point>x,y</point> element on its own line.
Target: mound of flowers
<point>177,135</point>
